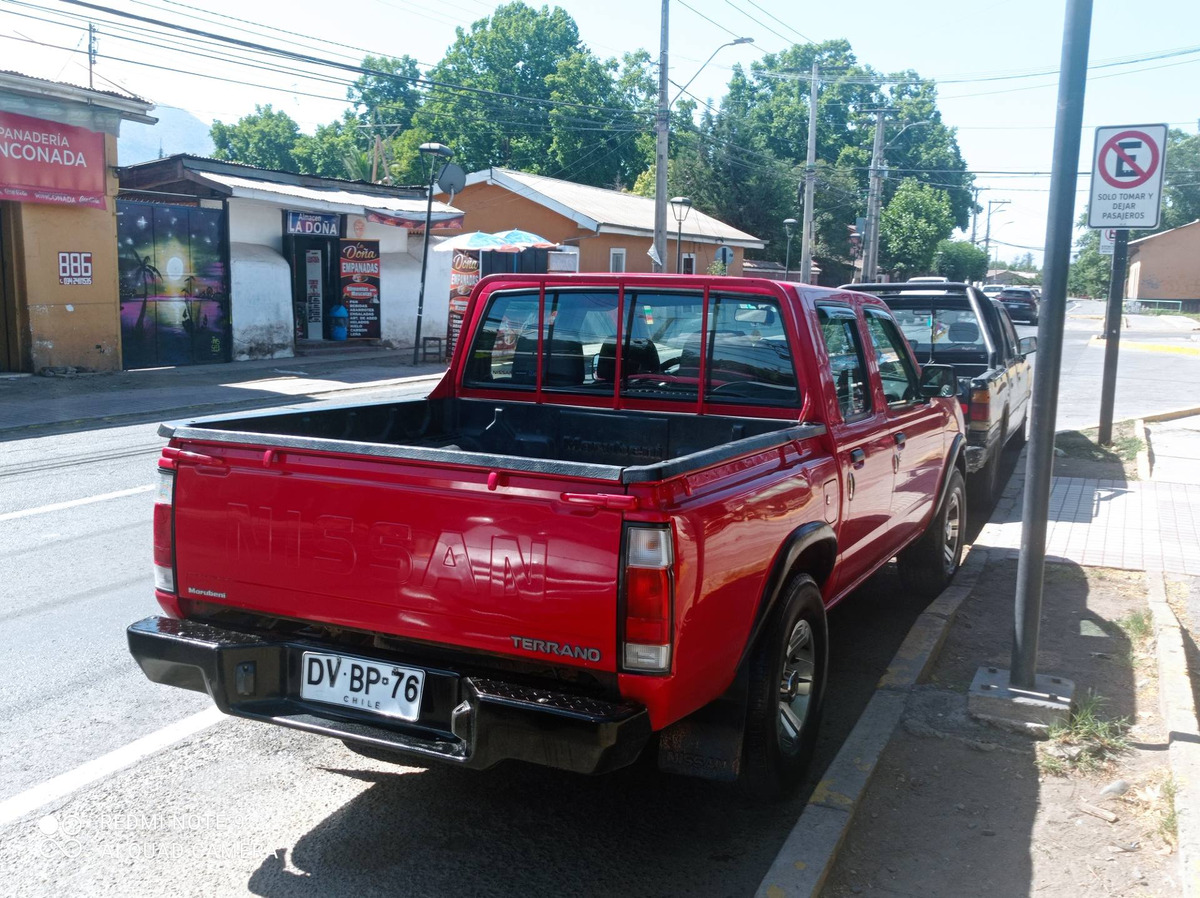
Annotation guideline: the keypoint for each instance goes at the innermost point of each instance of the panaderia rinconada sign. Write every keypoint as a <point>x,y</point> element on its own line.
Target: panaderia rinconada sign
<point>45,162</point>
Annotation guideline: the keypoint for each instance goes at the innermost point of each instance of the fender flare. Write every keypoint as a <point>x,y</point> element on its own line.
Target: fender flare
<point>816,535</point>
<point>954,458</point>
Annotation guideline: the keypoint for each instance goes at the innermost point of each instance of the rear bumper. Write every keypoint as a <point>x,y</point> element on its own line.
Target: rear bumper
<point>470,721</point>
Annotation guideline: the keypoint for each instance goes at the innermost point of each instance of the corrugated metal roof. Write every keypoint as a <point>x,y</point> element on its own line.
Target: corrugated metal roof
<point>94,90</point>
<point>327,200</point>
<point>611,210</point>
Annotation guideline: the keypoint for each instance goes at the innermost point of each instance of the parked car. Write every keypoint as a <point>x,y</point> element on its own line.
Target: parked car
<point>1021,303</point>
<point>958,325</point>
<point>560,558</point>
<point>992,290</point>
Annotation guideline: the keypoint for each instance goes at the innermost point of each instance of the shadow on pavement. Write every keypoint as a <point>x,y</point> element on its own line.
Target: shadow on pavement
<point>520,829</point>
<point>956,807</point>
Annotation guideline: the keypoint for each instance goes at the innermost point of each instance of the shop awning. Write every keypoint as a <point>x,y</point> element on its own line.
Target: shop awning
<point>395,211</point>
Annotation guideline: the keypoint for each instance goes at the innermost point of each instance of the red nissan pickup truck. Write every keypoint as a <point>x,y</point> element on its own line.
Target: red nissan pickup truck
<point>616,523</point>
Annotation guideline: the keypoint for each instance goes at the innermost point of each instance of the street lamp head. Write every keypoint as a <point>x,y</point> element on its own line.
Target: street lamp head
<point>789,225</point>
<point>435,149</point>
<point>680,207</point>
<point>741,40</point>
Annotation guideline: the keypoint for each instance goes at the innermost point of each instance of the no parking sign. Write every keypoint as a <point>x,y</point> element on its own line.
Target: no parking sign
<point>1127,176</point>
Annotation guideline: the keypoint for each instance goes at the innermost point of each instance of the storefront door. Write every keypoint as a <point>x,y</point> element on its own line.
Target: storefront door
<point>173,283</point>
<point>314,284</point>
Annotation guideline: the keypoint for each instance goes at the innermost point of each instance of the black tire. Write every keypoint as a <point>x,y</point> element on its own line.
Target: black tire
<point>1017,440</point>
<point>779,741</point>
<point>929,564</point>
<point>982,485</point>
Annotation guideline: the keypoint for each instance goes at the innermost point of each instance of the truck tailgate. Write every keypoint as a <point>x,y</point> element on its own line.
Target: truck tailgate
<point>426,552</point>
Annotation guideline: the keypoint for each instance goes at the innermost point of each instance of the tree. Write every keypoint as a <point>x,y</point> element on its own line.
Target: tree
<point>911,226</point>
<point>1090,272</point>
<point>334,151</point>
<point>1181,183</point>
<point>265,138</point>
<point>960,260</point>
<point>390,96</point>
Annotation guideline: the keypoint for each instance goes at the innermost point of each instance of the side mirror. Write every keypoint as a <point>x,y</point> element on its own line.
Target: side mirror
<point>1027,345</point>
<point>938,380</point>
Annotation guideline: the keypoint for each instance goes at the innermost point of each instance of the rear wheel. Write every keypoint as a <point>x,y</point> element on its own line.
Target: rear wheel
<point>928,565</point>
<point>787,690</point>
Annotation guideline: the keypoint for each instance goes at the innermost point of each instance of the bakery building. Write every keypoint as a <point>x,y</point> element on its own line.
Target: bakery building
<point>225,262</point>
<point>58,223</point>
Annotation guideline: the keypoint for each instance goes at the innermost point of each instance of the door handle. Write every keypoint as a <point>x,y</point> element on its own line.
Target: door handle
<point>857,457</point>
<point>900,438</point>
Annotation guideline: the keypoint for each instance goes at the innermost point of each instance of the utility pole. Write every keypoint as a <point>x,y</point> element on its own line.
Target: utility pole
<point>91,52</point>
<point>987,233</point>
<point>871,251</point>
<point>810,183</point>
<point>1112,334</point>
<point>663,124</point>
<point>975,215</point>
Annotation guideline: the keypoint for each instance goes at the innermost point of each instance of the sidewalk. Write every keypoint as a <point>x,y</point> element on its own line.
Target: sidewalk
<point>924,800</point>
<point>39,404</point>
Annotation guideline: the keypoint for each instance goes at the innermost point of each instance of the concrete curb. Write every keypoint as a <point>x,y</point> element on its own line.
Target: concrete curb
<point>1143,454</point>
<point>808,853</point>
<point>1179,712</point>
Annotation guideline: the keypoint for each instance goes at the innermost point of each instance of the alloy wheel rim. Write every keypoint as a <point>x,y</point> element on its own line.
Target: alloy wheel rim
<point>795,685</point>
<point>953,528</point>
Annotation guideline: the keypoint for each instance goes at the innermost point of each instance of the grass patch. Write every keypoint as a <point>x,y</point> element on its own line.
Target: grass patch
<point>1168,823</point>
<point>1082,456</point>
<point>1137,625</point>
<point>1087,743</point>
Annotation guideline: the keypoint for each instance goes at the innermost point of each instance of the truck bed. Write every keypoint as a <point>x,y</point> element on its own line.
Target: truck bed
<point>624,447</point>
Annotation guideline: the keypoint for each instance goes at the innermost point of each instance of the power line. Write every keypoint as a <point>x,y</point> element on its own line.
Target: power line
<point>781,22</point>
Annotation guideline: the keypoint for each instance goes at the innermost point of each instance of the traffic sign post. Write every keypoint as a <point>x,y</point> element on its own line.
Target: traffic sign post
<point>1126,193</point>
<point>1127,176</point>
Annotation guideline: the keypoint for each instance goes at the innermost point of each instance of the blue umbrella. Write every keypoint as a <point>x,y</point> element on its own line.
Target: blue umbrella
<point>523,239</point>
<point>474,240</point>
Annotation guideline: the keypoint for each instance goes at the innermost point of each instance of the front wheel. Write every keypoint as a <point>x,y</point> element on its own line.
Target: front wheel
<point>788,672</point>
<point>928,565</point>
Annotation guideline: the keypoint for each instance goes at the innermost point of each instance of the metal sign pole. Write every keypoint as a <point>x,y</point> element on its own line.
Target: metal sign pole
<point>1112,335</point>
<point>1059,233</point>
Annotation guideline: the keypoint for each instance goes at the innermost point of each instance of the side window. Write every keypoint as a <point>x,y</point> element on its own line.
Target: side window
<point>506,343</point>
<point>750,359</point>
<point>616,260</point>
<point>847,363</point>
<point>900,381</point>
<point>1011,341</point>
<point>661,358</point>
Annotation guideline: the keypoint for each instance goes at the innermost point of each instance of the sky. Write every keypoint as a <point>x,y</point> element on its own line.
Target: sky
<point>1003,125</point>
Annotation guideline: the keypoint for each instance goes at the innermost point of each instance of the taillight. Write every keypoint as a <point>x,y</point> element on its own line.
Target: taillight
<point>646,637</point>
<point>164,541</point>
<point>980,405</point>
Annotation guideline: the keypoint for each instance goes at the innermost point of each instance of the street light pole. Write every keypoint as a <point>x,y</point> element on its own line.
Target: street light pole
<point>680,207</point>
<point>789,225</point>
<point>987,231</point>
<point>662,124</point>
<point>434,151</point>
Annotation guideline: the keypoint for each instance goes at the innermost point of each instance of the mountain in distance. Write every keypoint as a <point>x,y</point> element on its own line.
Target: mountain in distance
<point>177,131</point>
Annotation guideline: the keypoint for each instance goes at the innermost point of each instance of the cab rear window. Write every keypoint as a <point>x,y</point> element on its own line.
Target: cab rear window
<point>663,336</point>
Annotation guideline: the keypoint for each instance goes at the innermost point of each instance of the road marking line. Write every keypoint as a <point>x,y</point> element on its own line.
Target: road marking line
<point>1173,348</point>
<point>59,506</point>
<point>91,771</point>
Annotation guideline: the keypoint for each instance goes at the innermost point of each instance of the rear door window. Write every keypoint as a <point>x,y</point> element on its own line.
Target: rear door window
<point>506,343</point>
<point>663,338</point>
<point>847,361</point>
<point>901,384</point>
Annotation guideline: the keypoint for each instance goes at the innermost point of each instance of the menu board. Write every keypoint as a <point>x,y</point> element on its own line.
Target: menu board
<point>359,267</point>
<point>464,275</point>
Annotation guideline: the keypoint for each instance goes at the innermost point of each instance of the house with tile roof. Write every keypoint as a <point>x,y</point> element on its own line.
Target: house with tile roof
<point>609,230</point>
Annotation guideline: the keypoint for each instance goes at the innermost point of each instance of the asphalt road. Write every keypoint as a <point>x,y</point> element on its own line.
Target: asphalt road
<point>238,806</point>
